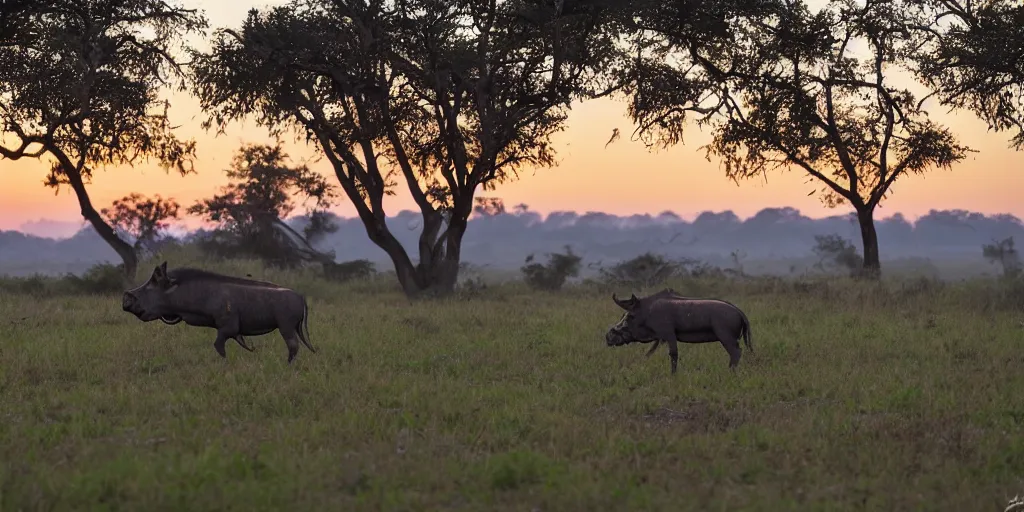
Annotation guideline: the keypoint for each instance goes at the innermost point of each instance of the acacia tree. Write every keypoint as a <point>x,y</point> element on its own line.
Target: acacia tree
<point>785,87</point>
<point>974,59</point>
<point>445,97</point>
<point>141,218</point>
<point>251,209</point>
<point>79,85</point>
<point>14,16</point>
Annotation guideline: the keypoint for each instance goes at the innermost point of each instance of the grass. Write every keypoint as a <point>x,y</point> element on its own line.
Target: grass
<point>901,396</point>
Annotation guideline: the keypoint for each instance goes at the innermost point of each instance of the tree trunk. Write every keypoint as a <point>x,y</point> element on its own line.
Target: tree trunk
<point>122,248</point>
<point>869,238</point>
<point>429,277</point>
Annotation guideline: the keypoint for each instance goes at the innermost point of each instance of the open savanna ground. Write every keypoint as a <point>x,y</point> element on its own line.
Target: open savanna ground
<point>900,396</point>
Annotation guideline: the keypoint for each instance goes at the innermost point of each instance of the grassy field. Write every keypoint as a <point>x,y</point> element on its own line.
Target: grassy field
<point>902,396</point>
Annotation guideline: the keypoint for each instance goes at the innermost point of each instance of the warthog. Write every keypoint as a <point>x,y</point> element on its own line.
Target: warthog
<point>669,317</point>
<point>234,306</point>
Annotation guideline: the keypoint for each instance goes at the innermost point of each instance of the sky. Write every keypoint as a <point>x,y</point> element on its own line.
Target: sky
<point>623,178</point>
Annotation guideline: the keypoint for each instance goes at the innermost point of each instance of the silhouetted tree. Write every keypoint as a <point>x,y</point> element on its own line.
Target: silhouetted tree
<point>835,251</point>
<point>141,218</point>
<point>784,87</point>
<point>975,59</point>
<point>250,210</point>
<point>489,206</point>
<point>445,97</point>
<point>15,18</point>
<point>1004,253</point>
<point>79,84</point>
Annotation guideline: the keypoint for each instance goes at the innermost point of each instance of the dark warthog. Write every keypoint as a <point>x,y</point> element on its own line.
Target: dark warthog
<point>234,306</point>
<point>669,317</point>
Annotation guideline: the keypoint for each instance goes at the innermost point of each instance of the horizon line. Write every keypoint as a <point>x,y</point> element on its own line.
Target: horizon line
<point>543,217</point>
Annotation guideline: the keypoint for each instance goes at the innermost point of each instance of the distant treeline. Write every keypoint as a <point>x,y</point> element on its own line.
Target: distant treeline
<point>502,241</point>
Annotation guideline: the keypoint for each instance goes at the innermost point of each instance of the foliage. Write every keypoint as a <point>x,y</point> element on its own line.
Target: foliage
<point>835,251</point>
<point>1006,255</point>
<point>80,84</point>
<point>551,276</point>
<point>142,219</point>
<point>249,211</point>
<point>349,270</point>
<point>645,271</point>
<point>785,87</point>
<point>444,97</point>
<point>974,59</point>
<point>489,206</point>
<point>101,279</point>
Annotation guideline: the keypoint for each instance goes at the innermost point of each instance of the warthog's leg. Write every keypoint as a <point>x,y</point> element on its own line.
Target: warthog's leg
<point>291,338</point>
<point>227,328</point>
<point>665,332</point>
<point>673,353</point>
<point>731,344</point>
<point>657,343</point>
<point>242,343</point>
<point>218,344</point>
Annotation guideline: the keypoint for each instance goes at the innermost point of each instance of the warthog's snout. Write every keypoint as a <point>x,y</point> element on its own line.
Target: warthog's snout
<point>127,301</point>
<point>614,338</point>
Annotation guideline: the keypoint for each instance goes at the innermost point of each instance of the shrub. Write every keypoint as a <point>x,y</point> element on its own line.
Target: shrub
<point>551,276</point>
<point>1005,254</point>
<point>349,270</point>
<point>645,270</point>
<point>834,251</point>
<point>101,279</point>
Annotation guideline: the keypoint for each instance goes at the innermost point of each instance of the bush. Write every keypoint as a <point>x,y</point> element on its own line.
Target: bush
<point>101,279</point>
<point>552,276</point>
<point>349,270</point>
<point>645,270</point>
<point>33,285</point>
<point>834,251</point>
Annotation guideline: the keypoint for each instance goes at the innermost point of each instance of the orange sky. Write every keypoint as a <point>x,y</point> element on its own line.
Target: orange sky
<point>624,178</point>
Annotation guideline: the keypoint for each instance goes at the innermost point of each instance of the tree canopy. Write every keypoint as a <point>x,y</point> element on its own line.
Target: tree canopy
<point>785,87</point>
<point>142,219</point>
<point>251,209</point>
<point>974,60</point>
<point>442,97</point>
<point>80,84</point>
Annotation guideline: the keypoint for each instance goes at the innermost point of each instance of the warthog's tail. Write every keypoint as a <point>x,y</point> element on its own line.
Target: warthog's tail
<point>304,326</point>
<point>746,331</point>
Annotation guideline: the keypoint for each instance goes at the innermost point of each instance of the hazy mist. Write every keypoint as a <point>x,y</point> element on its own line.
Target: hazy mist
<point>776,240</point>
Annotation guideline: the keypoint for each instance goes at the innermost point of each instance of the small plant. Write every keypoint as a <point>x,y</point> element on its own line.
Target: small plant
<point>737,258</point>
<point>552,276</point>
<point>1005,254</point>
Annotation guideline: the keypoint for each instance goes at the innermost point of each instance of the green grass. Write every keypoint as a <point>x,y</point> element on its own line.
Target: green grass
<point>907,396</point>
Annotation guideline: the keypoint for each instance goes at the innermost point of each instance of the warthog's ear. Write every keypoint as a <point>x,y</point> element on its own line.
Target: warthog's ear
<point>160,275</point>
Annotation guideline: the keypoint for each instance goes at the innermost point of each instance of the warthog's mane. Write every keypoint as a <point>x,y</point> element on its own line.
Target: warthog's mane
<point>183,275</point>
<point>669,293</point>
